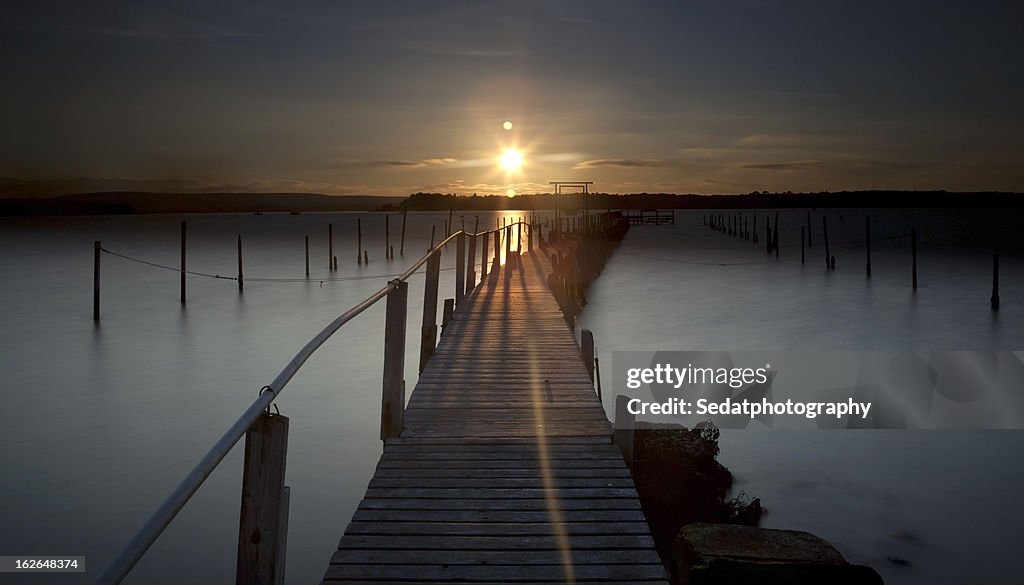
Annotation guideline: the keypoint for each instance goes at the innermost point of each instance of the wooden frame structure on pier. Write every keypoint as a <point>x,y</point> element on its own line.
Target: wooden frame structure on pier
<point>556,188</point>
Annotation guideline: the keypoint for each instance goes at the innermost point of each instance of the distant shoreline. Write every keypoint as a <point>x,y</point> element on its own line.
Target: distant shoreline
<point>139,202</point>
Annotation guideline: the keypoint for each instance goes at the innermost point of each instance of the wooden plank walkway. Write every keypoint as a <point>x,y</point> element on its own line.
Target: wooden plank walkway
<point>505,472</point>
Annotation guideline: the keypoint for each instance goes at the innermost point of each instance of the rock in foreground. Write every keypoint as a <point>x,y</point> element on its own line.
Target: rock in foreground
<point>711,554</point>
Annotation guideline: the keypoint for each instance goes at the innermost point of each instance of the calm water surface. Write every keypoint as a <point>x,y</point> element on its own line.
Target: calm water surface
<point>943,501</point>
<point>102,422</point>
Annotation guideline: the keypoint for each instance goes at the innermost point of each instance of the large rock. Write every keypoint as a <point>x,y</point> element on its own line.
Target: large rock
<point>707,554</point>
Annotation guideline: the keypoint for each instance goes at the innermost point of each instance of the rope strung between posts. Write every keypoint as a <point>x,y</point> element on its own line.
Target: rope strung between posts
<point>257,279</point>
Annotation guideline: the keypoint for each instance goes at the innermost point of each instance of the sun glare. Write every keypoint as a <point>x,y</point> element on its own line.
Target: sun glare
<point>510,193</point>
<point>511,160</point>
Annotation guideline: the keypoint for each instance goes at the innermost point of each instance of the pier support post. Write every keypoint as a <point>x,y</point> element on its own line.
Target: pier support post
<point>994,301</point>
<point>460,268</point>
<point>587,351</point>
<point>307,256</point>
<point>625,424</point>
<point>263,522</point>
<point>96,249</point>
<point>392,411</point>
<point>183,262</point>
<point>483,256</point>
<point>428,333</point>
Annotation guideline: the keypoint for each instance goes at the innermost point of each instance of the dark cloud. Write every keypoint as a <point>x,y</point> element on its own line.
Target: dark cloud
<point>797,165</point>
<point>601,163</point>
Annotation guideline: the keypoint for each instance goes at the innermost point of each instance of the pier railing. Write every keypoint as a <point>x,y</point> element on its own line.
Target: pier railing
<point>264,510</point>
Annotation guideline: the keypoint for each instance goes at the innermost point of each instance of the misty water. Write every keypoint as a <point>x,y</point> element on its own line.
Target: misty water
<point>103,421</point>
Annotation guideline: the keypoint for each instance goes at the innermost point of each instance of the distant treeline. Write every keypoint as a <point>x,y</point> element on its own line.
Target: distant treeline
<point>756,200</point>
<point>134,202</point>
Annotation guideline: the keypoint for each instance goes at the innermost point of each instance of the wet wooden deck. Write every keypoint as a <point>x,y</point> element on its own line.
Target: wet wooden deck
<point>505,471</point>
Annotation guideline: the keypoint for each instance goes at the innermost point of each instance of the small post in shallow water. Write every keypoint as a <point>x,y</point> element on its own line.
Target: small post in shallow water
<point>867,243</point>
<point>96,248</point>
<point>994,301</point>
<point>913,257</point>
<point>307,256</point>
<point>241,281</point>
<point>359,241</point>
<point>183,262</point>
<point>401,246</point>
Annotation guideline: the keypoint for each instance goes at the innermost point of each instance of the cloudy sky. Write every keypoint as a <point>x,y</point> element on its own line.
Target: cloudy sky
<point>395,97</point>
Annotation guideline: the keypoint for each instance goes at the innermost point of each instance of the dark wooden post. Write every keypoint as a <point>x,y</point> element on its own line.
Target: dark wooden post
<point>263,522</point>
<point>497,250</point>
<point>519,236</point>
<point>401,246</point>
<point>460,268</point>
<point>625,423</point>
<point>446,315</point>
<point>809,244</point>
<point>392,411</point>
<point>449,226</point>
<point>913,256</point>
<point>824,226</point>
<point>241,280</point>
<point>471,266</point>
<point>994,301</point>
<point>801,244</point>
<point>867,242</point>
<point>775,235</point>
<point>96,248</point>
<point>508,253</point>
<point>307,256</point>
<point>428,332</point>
<point>597,375</point>
<point>330,246</point>
<point>587,351</point>
<point>183,262</point>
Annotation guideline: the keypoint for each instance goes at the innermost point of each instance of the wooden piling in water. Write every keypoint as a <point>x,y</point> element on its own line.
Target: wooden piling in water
<point>801,244</point>
<point>263,521</point>
<point>241,282</point>
<point>392,414</point>
<point>448,226</point>
<point>401,247</point>
<point>307,256</point>
<point>867,243</point>
<point>330,246</point>
<point>183,228</point>
<point>913,254</point>
<point>994,300</point>
<point>96,249</point>
<point>828,256</point>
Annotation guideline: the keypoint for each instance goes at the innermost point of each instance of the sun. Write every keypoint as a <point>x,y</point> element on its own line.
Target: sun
<point>510,193</point>
<point>511,160</point>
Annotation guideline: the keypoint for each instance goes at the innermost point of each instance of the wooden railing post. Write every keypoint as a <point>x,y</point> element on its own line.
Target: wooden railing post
<point>428,335</point>
<point>263,522</point>
<point>460,268</point>
<point>625,424</point>
<point>483,256</point>
<point>471,266</point>
<point>393,398</point>
<point>446,316</point>
<point>587,351</point>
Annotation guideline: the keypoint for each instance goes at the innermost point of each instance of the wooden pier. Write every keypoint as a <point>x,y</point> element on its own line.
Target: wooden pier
<point>505,471</point>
